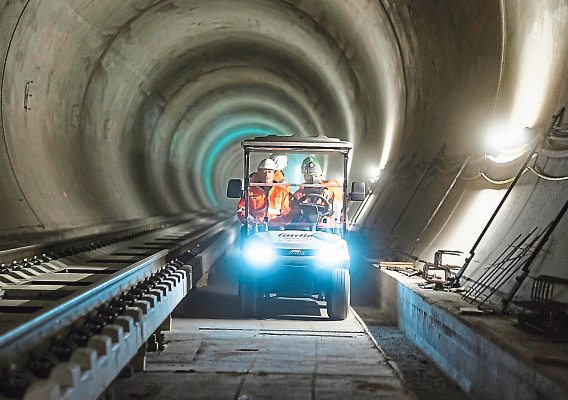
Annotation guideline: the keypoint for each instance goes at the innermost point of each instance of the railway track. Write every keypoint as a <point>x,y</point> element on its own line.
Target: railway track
<point>74,314</point>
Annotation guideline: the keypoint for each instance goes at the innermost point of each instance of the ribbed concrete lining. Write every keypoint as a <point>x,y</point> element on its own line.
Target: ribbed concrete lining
<point>128,99</point>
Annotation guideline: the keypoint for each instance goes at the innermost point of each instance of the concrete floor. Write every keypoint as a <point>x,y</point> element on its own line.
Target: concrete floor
<point>293,352</point>
<point>216,359</point>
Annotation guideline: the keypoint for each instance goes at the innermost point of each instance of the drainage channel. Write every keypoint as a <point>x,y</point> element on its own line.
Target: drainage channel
<point>420,373</point>
<point>72,318</point>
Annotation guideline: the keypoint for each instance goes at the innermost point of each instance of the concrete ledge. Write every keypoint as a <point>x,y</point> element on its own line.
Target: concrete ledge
<point>485,355</point>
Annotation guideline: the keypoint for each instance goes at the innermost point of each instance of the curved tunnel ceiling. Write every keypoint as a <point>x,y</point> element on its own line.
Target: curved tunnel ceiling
<point>147,101</point>
<point>118,110</point>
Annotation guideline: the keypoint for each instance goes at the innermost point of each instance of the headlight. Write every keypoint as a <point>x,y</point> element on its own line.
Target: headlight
<point>332,255</point>
<point>259,254</point>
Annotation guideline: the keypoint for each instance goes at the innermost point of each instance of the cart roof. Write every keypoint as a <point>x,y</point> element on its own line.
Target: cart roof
<point>297,143</point>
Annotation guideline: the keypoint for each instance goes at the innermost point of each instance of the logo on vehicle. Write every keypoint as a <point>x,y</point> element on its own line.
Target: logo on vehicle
<point>295,235</point>
<point>296,253</point>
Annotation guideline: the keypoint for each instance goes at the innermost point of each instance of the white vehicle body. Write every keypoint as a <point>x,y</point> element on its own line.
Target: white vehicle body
<point>302,248</point>
<point>305,257</point>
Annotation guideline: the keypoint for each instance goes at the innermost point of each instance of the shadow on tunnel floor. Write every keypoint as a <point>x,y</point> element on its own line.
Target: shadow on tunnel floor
<point>292,309</point>
<point>218,300</point>
<point>209,304</point>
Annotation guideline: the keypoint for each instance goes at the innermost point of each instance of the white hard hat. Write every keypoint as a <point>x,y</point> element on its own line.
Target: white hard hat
<point>281,160</point>
<point>267,163</point>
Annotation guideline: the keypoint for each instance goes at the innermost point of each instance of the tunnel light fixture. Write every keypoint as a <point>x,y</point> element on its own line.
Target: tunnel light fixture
<point>505,143</point>
<point>375,173</point>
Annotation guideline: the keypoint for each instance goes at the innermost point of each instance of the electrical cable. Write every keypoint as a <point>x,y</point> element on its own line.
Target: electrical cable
<point>498,182</point>
<point>538,173</point>
<point>470,178</point>
<point>545,176</point>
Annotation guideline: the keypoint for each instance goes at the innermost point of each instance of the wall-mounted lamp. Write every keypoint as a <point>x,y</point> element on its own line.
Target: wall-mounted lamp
<point>375,173</point>
<point>505,143</point>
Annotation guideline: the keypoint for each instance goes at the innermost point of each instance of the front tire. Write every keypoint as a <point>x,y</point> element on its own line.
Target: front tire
<point>339,294</point>
<point>248,296</point>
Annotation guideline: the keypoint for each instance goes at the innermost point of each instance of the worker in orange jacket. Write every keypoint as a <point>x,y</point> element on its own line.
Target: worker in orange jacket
<point>281,161</point>
<point>332,190</point>
<point>269,201</point>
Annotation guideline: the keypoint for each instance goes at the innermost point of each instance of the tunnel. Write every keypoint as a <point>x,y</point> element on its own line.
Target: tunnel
<point>117,115</point>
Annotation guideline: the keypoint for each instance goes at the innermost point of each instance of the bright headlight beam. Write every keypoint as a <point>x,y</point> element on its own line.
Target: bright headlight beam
<point>332,255</point>
<point>259,254</point>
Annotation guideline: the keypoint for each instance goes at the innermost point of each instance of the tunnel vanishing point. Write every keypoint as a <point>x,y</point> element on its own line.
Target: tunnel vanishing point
<point>119,111</point>
<point>116,112</point>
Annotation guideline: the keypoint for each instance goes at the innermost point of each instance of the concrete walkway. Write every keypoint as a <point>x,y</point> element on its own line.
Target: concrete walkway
<point>293,352</point>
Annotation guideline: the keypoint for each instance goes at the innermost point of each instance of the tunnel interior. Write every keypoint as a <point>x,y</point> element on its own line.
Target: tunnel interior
<point>113,112</point>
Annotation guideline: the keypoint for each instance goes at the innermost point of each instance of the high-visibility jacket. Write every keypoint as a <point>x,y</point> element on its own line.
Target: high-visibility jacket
<point>278,176</point>
<point>332,194</point>
<point>329,193</point>
<point>275,204</point>
<point>337,192</point>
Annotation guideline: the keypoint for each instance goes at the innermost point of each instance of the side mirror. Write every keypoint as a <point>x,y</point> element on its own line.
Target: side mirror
<point>235,188</point>
<point>357,191</point>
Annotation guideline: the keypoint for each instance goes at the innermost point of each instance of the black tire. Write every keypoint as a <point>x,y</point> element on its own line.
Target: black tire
<point>339,294</point>
<point>248,296</point>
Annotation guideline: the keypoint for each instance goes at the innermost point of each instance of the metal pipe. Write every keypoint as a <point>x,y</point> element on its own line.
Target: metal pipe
<point>496,277</point>
<point>511,269</point>
<point>537,143</point>
<point>466,161</point>
<point>526,267</point>
<point>416,187</point>
<point>246,188</point>
<point>344,222</point>
<point>489,272</point>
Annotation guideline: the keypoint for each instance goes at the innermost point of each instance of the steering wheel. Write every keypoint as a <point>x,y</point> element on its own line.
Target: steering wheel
<point>311,209</point>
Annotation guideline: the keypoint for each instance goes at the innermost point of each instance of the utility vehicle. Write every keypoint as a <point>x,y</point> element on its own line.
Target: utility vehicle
<point>305,255</point>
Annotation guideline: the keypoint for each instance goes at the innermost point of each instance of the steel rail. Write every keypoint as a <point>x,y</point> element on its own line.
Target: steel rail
<point>64,312</point>
<point>8,255</point>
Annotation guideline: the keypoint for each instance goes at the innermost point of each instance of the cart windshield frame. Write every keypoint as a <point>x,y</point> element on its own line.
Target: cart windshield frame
<point>299,145</point>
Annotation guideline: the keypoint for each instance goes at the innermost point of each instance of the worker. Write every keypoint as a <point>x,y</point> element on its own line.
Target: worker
<point>281,161</point>
<point>331,190</point>
<point>266,201</point>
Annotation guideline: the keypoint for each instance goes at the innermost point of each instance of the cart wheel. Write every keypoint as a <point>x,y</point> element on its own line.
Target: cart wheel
<point>339,294</point>
<point>248,296</point>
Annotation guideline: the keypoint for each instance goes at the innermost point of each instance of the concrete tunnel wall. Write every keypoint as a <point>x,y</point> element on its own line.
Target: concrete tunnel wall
<point>119,110</point>
<point>516,74</point>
